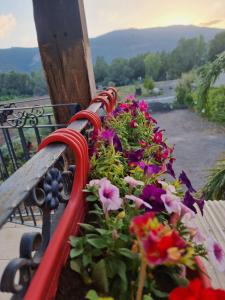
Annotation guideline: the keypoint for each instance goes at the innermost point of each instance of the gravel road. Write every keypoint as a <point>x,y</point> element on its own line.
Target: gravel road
<point>198,143</point>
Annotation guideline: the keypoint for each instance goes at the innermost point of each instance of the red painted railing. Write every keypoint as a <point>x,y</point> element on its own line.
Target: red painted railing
<point>45,281</point>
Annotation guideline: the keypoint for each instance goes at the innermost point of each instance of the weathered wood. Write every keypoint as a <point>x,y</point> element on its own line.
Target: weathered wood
<point>18,186</point>
<point>65,52</point>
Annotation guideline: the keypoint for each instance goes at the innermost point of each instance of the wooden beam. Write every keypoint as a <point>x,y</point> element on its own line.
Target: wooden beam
<point>65,53</point>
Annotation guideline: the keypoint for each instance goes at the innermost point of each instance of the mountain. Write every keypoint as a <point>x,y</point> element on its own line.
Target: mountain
<point>121,43</point>
<point>130,42</point>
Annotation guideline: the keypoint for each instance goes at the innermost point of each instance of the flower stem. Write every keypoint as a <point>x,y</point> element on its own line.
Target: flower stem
<point>141,282</point>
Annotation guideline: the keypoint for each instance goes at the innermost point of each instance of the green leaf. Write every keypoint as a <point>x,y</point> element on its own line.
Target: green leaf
<point>86,260</point>
<point>126,252</point>
<point>76,241</point>
<point>91,295</point>
<point>99,276</point>
<point>147,297</point>
<point>75,265</point>
<point>87,227</point>
<point>91,198</point>
<point>160,294</point>
<point>98,243</point>
<point>102,231</point>
<point>75,252</point>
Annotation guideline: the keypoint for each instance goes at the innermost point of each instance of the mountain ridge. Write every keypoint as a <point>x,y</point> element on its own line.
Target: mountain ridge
<point>124,43</point>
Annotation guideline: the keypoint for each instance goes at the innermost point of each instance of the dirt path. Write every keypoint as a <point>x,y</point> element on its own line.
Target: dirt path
<point>198,143</point>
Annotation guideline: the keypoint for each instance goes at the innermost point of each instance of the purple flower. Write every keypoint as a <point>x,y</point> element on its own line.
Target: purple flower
<point>151,169</point>
<point>185,180</point>
<point>135,156</point>
<point>138,201</point>
<point>216,254</point>
<point>152,195</point>
<point>107,135</point>
<point>189,201</point>
<point>117,143</point>
<point>109,196</point>
<point>170,170</point>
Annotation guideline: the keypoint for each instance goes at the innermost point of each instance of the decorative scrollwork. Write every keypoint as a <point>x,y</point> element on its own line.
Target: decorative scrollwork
<point>20,118</point>
<point>8,111</point>
<point>53,189</point>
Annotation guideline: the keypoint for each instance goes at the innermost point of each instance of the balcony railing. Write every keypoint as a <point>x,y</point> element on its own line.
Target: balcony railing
<point>43,193</point>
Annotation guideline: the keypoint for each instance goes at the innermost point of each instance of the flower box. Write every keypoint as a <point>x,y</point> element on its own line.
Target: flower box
<point>138,240</point>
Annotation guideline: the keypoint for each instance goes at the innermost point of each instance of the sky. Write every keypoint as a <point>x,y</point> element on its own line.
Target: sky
<point>17,26</point>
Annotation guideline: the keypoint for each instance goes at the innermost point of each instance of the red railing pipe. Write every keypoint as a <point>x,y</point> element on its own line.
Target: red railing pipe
<point>92,117</point>
<point>45,281</point>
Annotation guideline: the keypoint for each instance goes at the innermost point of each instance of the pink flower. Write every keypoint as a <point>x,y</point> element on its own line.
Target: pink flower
<point>133,124</point>
<point>138,201</point>
<point>158,137</point>
<point>167,187</point>
<point>109,196</point>
<point>94,182</point>
<point>171,203</point>
<point>143,106</point>
<point>133,182</point>
<point>216,254</point>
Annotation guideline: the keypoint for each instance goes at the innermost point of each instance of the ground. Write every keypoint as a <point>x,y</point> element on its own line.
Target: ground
<point>199,143</point>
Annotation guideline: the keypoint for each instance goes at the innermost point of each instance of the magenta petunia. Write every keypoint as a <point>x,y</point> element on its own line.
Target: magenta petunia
<point>216,254</point>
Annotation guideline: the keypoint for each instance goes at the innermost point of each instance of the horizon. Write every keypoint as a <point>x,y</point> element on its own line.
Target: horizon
<point>17,27</point>
<point>124,29</point>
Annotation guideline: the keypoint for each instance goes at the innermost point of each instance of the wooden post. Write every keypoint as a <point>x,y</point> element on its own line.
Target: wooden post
<point>65,53</point>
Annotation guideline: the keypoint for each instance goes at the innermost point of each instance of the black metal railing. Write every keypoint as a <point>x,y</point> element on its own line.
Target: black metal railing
<point>23,125</point>
<point>35,194</point>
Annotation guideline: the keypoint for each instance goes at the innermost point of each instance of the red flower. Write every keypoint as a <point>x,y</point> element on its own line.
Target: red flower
<point>196,291</point>
<point>140,225</point>
<point>158,137</point>
<point>157,247</point>
<point>133,124</point>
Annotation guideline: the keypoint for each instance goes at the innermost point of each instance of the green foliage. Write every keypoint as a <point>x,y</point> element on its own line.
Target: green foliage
<point>108,164</point>
<point>184,90</point>
<point>208,75</point>
<point>152,65</point>
<point>215,105</point>
<point>215,186</point>
<point>216,46</point>
<point>149,83</point>
<point>101,70</point>
<point>15,84</point>
<point>189,54</point>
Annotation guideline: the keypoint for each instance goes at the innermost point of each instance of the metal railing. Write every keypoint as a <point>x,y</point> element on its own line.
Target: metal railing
<point>42,186</point>
<point>23,125</point>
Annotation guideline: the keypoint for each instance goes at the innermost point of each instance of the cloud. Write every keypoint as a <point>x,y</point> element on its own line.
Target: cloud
<point>7,23</point>
<point>210,23</point>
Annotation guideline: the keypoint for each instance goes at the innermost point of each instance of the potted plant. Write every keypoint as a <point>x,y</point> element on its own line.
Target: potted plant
<point>138,240</point>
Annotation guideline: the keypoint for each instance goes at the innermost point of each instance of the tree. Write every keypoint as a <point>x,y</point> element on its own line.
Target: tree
<point>152,65</point>
<point>101,70</point>
<point>120,72</point>
<point>149,83</point>
<point>216,46</point>
<point>137,65</point>
<point>188,54</point>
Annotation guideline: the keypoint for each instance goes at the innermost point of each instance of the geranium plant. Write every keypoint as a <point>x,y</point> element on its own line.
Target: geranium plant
<point>139,240</point>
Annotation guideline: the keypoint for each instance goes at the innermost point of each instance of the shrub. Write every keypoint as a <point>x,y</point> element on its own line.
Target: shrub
<point>215,105</point>
<point>184,91</point>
